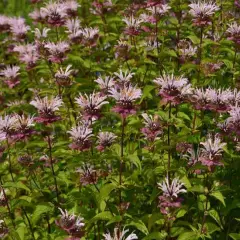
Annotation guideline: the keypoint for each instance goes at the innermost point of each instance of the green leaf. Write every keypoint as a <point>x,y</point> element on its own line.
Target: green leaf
<point>188,235</point>
<point>139,225</point>
<point>156,235</point>
<point>235,236</point>
<point>19,185</point>
<point>181,213</point>
<point>218,195</point>
<point>214,214</point>
<point>104,216</point>
<point>41,209</point>
<point>21,232</point>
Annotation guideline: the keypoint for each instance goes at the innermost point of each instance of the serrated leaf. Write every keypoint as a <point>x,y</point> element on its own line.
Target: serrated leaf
<point>214,214</point>
<point>139,225</point>
<point>218,195</point>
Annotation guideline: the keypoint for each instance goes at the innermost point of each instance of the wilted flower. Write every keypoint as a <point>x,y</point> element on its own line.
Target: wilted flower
<point>152,128</point>
<point>91,104</point>
<point>173,89</point>
<point>122,49</point>
<point>88,175</point>
<point>25,160</point>
<point>63,77</point>
<point>10,74</point>
<point>120,235</point>
<point>133,25</point>
<point>57,51</point>
<point>211,152</point>
<point>105,140</point>
<point>55,13</point>
<point>170,199</point>
<point>81,137</point>
<point>105,84</point>
<point>202,11</point>
<point>234,32</point>
<point>71,223</point>
<point>125,97</point>
<point>46,108</point>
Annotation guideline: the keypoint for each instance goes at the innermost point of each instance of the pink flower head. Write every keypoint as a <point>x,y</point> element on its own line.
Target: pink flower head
<point>10,75</point>
<point>71,7</point>
<point>121,235</point>
<point>72,224</point>
<point>133,25</point>
<point>57,51</point>
<point>152,128</point>
<point>125,97</point>
<point>55,13</point>
<point>202,11</point>
<point>88,175</point>
<point>211,152</point>
<point>123,78</point>
<point>63,77</point>
<point>19,28</point>
<point>233,32</point>
<point>100,8</point>
<point>7,127</point>
<point>91,104</point>
<point>37,16</point>
<point>158,11</point>
<point>75,33</point>
<point>90,36</point>
<point>122,49</point>
<point>105,84</point>
<point>170,199</point>
<point>4,23</point>
<point>28,54</point>
<point>46,108</point>
<point>80,136</point>
<point>233,122</point>
<point>105,140</point>
<point>173,89</point>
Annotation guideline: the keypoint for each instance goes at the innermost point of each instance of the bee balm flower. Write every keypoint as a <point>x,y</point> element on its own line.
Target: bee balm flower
<point>234,32</point>
<point>105,139</point>
<point>120,236</point>
<point>10,74</point>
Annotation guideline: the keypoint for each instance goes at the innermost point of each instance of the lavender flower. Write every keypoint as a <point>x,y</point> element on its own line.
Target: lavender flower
<point>91,104</point>
<point>4,24</point>
<point>41,34</point>
<point>88,175</point>
<point>105,84</point>
<point>18,28</point>
<point>75,33</point>
<point>202,11</point>
<point>173,89</point>
<point>122,49</point>
<point>233,122</point>
<point>37,16</point>
<point>10,74</point>
<point>71,7</point>
<point>90,36</point>
<point>46,108</point>
<point>120,236</point>
<point>123,77</point>
<point>57,51</point>
<point>105,140</point>
<point>6,127</point>
<point>211,152</point>
<point>125,98</point>
<point>80,136</point>
<point>234,32</point>
<point>133,25</point>
<point>158,11</point>
<point>170,199</point>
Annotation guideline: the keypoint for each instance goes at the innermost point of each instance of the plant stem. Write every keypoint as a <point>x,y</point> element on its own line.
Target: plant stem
<point>169,140</point>
<point>121,161</point>
<point>29,223</point>
<point>200,52</point>
<point>52,167</point>
<point>9,160</point>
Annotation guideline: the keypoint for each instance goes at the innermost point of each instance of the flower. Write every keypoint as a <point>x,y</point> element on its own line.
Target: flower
<point>81,137</point>
<point>91,104</point>
<point>3,229</point>
<point>118,235</point>
<point>3,199</point>
<point>152,127</point>
<point>170,199</point>
<point>4,23</point>
<point>173,89</point>
<point>202,12</point>
<point>105,84</point>
<point>71,223</point>
<point>211,152</point>
<point>105,139</point>
<point>233,122</point>
<point>38,16</point>
<point>90,36</point>
<point>88,175</point>
<point>18,28</point>
<point>25,160</point>
<point>55,13</point>
<point>123,77</point>
<point>23,127</point>
<point>75,33</point>
<point>125,96</point>
<point>122,49</point>
<point>10,74</point>
<point>46,108</point>
<point>133,25</point>
<point>234,32</point>
<point>6,126</point>
<point>186,50</point>
<point>158,11</point>
<point>63,77</point>
<point>71,7</point>
<point>41,33</point>
<point>57,51</point>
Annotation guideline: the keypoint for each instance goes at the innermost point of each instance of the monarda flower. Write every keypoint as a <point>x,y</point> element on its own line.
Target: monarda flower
<point>57,51</point>
<point>81,137</point>
<point>55,14</point>
<point>158,11</point>
<point>90,36</point>
<point>10,75</point>
<point>46,108</point>
<point>125,97</point>
<point>170,199</point>
<point>202,11</point>
<point>152,128</point>
<point>105,140</point>
<point>41,34</point>
<point>105,84</point>
<point>63,77</point>
<point>120,235</point>
<point>122,49</point>
<point>23,127</point>
<point>88,175</point>
<point>3,229</point>
<point>71,7</point>
<point>25,160</point>
<point>193,156</point>
<point>6,127</point>
<point>70,223</point>
<point>91,105</point>
<point>4,24</point>
<point>233,32</point>
<point>75,33</point>
<point>3,198</point>
<point>133,25</point>
<point>211,152</point>
<point>233,122</point>
<point>37,16</point>
<point>123,78</point>
<point>173,89</point>
<point>19,28</point>
<point>186,50</point>
<point>100,8</point>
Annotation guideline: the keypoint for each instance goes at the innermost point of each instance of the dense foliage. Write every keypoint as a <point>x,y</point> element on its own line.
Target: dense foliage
<point>120,119</point>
